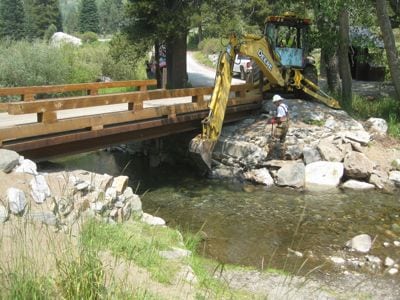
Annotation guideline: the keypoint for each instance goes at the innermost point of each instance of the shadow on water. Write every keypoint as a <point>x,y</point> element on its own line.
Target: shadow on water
<point>251,225</point>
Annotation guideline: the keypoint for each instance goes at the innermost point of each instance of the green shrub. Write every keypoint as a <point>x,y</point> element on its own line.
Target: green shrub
<point>89,37</point>
<point>52,29</point>
<point>211,46</point>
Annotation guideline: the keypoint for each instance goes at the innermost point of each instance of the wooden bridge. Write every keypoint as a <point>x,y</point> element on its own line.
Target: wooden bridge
<point>47,121</point>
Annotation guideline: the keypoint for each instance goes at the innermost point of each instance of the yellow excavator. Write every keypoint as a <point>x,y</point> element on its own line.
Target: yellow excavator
<point>282,57</point>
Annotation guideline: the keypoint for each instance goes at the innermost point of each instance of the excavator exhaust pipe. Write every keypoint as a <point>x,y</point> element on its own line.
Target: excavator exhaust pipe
<point>201,151</point>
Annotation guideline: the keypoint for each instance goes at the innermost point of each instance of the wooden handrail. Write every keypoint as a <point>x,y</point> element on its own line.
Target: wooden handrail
<point>49,105</point>
<point>47,89</point>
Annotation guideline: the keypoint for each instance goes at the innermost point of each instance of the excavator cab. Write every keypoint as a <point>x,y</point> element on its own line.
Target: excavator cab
<point>288,36</point>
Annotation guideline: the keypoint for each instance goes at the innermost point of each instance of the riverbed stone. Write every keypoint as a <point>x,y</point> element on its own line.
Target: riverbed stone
<point>120,183</point>
<point>357,165</point>
<point>8,160</point>
<point>329,151</point>
<point>16,200</point>
<point>311,155</point>
<point>261,176</point>
<point>26,166</point>
<point>3,214</point>
<point>323,174</point>
<point>396,164</point>
<point>44,217</point>
<point>136,203</point>
<point>152,220</point>
<point>40,190</point>
<point>360,136</point>
<point>377,125</point>
<point>361,243</point>
<point>394,176</point>
<point>291,175</point>
<point>223,171</point>
<point>175,253</point>
<point>357,185</point>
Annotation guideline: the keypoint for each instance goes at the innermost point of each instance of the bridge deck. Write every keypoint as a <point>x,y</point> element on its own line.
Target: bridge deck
<point>47,127</point>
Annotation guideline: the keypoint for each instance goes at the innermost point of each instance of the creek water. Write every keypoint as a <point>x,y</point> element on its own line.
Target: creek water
<point>252,225</point>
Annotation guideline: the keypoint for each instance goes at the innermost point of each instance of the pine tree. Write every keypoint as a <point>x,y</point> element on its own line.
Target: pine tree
<point>88,17</point>
<point>41,14</point>
<point>111,14</point>
<point>12,18</point>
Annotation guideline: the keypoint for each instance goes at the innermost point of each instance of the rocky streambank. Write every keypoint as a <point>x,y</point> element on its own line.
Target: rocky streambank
<point>324,148</point>
<point>60,199</point>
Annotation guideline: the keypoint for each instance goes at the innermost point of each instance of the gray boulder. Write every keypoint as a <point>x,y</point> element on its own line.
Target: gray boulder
<point>40,189</point>
<point>16,200</point>
<point>3,214</point>
<point>311,155</point>
<point>261,176</point>
<point>357,185</point>
<point>329,151</point>
<point>377,125</point>
<point>60,38</point>
<point>357,165</point>
<point>323,174</point>
<point>360,136</point>
<point>8,160</point>
<point>291,174</point>
<point>361,243</point>
<point>395,177</point>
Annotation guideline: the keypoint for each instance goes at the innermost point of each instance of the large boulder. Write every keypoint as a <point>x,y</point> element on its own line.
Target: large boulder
<point>60,38</point>
<point>329,151</point>
<point>360,136</point>
<point>261,176</point>
<point>357,165</point>
<point>377,125</point>
<point>291,174</point>
<point>8,160</point>
<point>323,174</point>
<point>311,155</point>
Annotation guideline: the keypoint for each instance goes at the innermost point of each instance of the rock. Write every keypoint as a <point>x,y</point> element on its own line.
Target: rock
<point>8,160</point>
<point>337,260</point>
<point>45,217</point>
<point>396,164</point>
<point>151,220</point>
<point>360,136</point>
<point>261,176</point>
<point>120,183</point>
<point>395,177</point>
<point>82,185</point>
<point>393,271</point>
<point>396,243</point>
<point>60,38</point>
<point>186,273</point>
<point>40,189</point>
<point>291,175</point>
<point>223,171</point>
<point>381,180</point>
<point>175,253</point>
<point>26,166</point>
<point>295,253</point>
<point>311,155</point>
<point>357,185</point>
<point>293,152</point>
<point>111,194</point>
<point>389,262</point>
<point>358,166</point>
<point>373,260</point>
<point>323,174</point>
<point>361,243</point>
<point>136,203</point>
<point>377,125</point>
<point>3,214</point>
<point>16,200</point>
<point>329,151</point>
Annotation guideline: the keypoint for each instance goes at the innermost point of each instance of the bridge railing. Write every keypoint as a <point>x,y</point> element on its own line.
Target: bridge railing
<point>52,118</point>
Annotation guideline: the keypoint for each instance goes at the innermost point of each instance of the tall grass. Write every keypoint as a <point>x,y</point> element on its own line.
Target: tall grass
<point>386,108</point>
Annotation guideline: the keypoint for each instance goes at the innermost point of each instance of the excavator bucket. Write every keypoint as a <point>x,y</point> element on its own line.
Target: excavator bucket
<point>201,150</point>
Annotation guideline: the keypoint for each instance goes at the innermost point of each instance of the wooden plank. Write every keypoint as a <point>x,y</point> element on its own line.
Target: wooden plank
<point>74,87</point>
<point>94,121</point>
<point>3,106</point>
<point>17,108</point>
<point>47,117</point>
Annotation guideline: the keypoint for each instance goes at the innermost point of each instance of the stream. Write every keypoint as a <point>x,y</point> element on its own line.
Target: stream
<point>251,225</point>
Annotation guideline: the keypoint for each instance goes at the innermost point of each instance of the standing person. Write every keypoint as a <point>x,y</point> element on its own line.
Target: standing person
<point>281,120</point>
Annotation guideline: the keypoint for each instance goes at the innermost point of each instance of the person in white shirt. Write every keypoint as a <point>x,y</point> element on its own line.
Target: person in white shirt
<point>281,119</point>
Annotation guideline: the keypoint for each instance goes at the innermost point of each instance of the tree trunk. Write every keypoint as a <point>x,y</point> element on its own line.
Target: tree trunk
<point>344,66</point>
<point>332,71</point>
<point>176,62</point>
<point>157,62</point>
<point>390,46</point>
